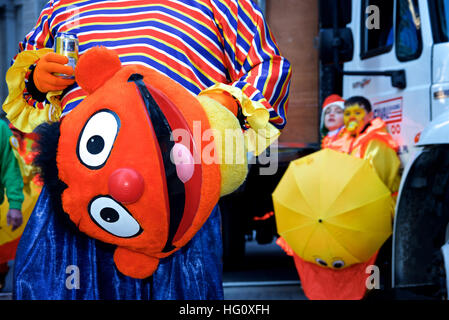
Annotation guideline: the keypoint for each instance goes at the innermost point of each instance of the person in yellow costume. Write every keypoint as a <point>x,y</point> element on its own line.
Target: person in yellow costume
<point>364,137</point>
<point>367,137</point>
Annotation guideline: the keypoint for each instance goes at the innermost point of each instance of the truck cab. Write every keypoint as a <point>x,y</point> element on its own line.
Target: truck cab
<point>400,40</point>
<point>396,54</point>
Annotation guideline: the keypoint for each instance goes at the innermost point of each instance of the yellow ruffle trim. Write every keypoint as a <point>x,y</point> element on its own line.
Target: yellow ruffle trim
<point>23,116</point>
<point>261,133</point>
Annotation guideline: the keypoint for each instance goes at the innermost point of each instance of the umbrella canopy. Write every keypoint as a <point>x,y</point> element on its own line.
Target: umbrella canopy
<point>333,209</point>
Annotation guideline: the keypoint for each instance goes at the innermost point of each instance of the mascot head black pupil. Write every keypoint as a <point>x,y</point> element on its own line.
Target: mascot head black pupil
<point>109,215</point>
<point>95,144</point>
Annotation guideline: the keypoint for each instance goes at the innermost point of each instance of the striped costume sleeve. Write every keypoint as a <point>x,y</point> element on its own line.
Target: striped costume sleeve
<point>21,108</point>
<point>40,36</point>
<point>254,61</point>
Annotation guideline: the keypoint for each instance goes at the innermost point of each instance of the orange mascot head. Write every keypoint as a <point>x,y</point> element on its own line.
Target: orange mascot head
<point>114,157</point>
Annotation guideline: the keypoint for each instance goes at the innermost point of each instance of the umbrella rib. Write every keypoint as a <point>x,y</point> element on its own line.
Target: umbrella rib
<point>344,188</point>
<point>308,240</point>
<point>304,197</point>
<point>352,229</point>
<point>346,249</point>
<point>300,227</point>
<point>328,242</point>
<point>354,207</point>
<point>341,191</point>
<point>295,210</point>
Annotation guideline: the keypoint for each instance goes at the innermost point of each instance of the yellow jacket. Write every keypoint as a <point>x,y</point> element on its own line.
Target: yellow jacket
<point>378,146</point>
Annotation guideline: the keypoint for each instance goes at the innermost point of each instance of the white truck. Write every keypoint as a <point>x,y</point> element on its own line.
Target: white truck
<point>396,53</point>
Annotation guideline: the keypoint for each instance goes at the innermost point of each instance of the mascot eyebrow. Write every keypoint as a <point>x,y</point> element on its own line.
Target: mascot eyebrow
<point>175,187</point>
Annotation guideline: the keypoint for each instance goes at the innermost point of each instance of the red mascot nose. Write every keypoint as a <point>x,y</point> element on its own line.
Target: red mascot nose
<point>126,185</point>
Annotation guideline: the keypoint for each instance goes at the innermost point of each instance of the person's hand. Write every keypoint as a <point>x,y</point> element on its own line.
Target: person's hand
<point>14,218</point>
<point>44,78</point>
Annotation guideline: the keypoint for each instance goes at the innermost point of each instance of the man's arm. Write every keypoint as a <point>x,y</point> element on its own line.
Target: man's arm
<point>11,177</point>
<point>386,163</point>
<point>254,61</point>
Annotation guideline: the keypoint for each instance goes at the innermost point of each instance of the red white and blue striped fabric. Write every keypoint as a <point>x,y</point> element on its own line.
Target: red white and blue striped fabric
<point>197,43</point>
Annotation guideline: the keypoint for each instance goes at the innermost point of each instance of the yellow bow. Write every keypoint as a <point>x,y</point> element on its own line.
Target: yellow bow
<point>261,133</point>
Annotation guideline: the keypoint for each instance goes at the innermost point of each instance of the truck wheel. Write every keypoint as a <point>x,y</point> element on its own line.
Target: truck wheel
<point>421,226</point>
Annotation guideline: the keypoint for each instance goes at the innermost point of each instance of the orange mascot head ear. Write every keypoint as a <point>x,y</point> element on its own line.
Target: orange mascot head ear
<point>95,67</point>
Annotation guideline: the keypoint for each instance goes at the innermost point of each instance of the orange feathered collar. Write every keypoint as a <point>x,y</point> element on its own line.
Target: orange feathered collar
<point>376,130</point>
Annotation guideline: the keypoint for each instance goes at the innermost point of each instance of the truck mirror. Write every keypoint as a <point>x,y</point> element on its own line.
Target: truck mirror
<point>336,46</point>
<point>326,13</point>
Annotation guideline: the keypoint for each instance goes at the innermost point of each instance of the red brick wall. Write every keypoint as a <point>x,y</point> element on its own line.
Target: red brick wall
<point>294,24</point>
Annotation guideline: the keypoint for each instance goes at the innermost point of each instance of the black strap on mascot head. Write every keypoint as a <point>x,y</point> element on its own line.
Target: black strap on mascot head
<point>163,131</point>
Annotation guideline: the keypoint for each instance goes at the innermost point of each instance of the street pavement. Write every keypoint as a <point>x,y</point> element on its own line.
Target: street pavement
<point>6,293</point>
<point>265,273</point>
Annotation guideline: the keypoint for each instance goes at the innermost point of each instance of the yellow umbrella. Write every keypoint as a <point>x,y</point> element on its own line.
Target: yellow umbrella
<point>333,209</point>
